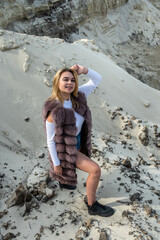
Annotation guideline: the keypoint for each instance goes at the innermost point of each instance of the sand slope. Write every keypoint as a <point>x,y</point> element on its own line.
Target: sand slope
<point>122,109</point>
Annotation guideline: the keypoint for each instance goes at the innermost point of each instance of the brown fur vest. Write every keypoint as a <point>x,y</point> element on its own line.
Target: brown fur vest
<point>65,136</point>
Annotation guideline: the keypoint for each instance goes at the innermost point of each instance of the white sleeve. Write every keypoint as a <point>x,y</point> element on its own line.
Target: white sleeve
<point>88,87</point>
<point>51,143</point>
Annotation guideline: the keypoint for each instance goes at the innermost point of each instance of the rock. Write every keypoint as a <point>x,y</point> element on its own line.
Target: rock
<point>143,136</point>
<point>103,235</point>
<point>2,175</point>
<point>80,234</point>
<point>27,119</point>
<point>140,64</point>
<point>157,142</point>
<point>42,155</point>
<point>149,210</point>
<point>28,207</point>
<point>127,163</point>
<point>128,136</point>
<point>148,18</point>
<point>157,192</point>
<point>3,213</point>
<point>17,197</point>
<point>9,236</point>
<point>147,104</point>
<point>155,128</point>
<point>44,199</point>
<point>38,236</point>
<point>139,7</point>
<point>8,45</point>
<point>89,222</point>
<point>37,178</point>
<point>47,82</point>
<point>6,225</point>
<point>127,214</point>
<point>26,64</point>
<point>49,193</point>
<point>13,227</point>
<point>135,197</point>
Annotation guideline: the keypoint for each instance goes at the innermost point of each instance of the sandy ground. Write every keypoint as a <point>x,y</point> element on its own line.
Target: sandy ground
<point>126,141</point>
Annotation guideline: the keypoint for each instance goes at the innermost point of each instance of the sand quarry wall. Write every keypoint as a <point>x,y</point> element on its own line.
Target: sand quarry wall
<point>52,18</point>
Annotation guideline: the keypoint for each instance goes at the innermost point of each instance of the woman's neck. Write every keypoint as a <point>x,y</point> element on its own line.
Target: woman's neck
<point>65,96</point>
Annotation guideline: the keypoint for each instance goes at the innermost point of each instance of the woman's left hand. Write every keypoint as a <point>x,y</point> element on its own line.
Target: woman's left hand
<point>80,69</point>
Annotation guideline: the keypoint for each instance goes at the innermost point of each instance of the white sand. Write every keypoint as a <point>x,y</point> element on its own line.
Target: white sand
<point>26,62</point>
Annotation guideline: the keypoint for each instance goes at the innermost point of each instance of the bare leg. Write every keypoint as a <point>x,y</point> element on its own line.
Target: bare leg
<point>87,165</point>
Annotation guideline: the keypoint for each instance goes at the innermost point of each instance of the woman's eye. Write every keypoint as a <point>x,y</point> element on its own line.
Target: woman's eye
<point>72,80</point>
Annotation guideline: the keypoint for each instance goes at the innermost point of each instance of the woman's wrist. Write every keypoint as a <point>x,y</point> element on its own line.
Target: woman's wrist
<point>85,71</point>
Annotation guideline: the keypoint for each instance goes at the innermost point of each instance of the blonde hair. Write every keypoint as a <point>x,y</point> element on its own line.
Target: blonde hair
<point>55,89</point>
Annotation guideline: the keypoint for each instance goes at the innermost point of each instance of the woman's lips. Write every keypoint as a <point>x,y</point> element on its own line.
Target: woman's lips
<point>69,88</point>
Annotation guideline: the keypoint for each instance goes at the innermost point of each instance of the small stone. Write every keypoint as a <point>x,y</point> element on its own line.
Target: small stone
<point>50,202</point>
<point>13,227</point>
<point>3,213</point>
<point>127,214</point>
<point>127,163</point>
<point>148,210</point>
<point>45,199</point>
<point>81,233</point>
<point>37,236</point>
<point>128,136</point>
<point>89,222</point>
<point>27,119</point>
<point>135,197</point>
<point>17,197</point>
<point>42,155</point>
<point>147,104</point>
<point>143,137</point>
<point>47,82</point>
<point>9,236</point>
<point>157,143</point>
<point>139,7</point>
<point>150,201</point>
<point>130,148</point>
<point>2,175</point>
<point>49,193</point>
<point>157,192</point>
<point>39,197</point>
<point>103,235</point>
<point>6,225</point>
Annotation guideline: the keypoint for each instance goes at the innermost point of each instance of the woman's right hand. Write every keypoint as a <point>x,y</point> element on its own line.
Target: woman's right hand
<point>58,170</point>
<point>79,69</point>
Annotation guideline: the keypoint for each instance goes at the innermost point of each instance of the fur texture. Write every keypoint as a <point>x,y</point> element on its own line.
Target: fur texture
<point>65,136</point>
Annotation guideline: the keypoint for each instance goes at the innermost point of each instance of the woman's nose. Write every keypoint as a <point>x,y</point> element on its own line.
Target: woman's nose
<point>69,80</point>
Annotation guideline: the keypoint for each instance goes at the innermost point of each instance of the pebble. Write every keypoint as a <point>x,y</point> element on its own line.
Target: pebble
<point>9,236</point>
<point>89,222</point>
<point>103,235</point>
<point>127,163</point>
<point>135,197</point>
<point>27,119</point>
<point>42,155</point>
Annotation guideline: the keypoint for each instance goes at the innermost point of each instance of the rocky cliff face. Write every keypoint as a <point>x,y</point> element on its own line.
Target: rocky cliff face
<point>55,18</point>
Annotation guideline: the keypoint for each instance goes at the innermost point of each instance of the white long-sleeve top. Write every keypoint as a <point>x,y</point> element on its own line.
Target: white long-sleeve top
<point>86,88</point>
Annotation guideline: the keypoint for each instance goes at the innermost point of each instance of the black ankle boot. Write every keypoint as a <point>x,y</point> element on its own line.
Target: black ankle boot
<point>99,209</point>
<point>66,186</point>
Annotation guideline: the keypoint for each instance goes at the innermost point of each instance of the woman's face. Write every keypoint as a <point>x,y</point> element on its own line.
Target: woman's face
<point>66,83</point>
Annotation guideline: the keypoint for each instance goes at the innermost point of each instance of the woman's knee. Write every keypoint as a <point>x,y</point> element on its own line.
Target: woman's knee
<point>96,171</point>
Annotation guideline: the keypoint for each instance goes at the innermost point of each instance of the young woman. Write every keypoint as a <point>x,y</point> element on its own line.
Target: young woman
<point>67,121</point>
